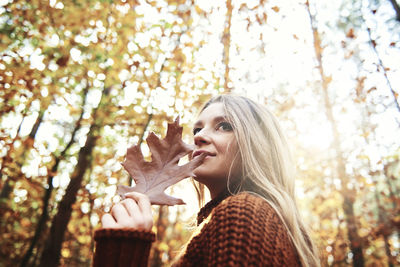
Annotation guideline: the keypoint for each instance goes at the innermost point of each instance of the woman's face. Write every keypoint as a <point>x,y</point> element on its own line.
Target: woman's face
<point>213,135</point>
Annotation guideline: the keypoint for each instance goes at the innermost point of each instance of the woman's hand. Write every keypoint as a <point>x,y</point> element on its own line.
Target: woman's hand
<point>133,212</point>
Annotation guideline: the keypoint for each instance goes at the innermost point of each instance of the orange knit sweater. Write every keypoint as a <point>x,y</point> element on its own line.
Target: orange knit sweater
<point>241,230</point>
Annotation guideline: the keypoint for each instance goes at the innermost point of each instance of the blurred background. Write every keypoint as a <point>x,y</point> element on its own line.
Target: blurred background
<point>82,80</point>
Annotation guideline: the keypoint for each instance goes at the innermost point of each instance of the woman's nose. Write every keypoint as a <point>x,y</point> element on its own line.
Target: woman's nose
<point>201,138</point>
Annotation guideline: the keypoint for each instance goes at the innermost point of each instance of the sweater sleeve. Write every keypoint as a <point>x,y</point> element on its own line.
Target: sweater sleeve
<point>122,247</point>
<point>244,230</point>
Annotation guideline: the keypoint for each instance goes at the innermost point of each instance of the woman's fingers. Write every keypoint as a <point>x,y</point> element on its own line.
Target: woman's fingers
<point>107,221</point>
<point>118,211</point>
<point>133,212</point>
<point>143,202</point>
<point>131,206</point>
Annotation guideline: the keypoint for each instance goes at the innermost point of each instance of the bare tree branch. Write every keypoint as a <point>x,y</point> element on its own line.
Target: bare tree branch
<point>396,8</point>
<point>226,40</point>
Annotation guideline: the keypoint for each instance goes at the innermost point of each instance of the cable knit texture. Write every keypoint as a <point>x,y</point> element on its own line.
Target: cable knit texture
<point>122,247</point>
<point>239,230</point>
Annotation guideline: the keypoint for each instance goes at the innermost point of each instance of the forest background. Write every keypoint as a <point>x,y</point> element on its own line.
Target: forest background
<point>82,80</point>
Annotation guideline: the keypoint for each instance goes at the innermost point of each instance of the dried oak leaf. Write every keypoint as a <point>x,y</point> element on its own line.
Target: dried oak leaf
<point>152,178</point>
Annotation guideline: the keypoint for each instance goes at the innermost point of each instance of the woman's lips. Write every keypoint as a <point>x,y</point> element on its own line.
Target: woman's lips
<point>199,152</point>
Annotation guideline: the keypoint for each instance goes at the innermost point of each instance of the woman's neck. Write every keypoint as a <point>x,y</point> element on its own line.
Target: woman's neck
<point>216,190</point>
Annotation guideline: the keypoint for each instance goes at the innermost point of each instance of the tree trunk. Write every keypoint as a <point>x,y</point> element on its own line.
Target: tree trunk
<point>352,231</point>
<point>47,194</point>
<point>51,254</point>
<point>382,220</point>
<point>387,250</point>
<point>348,196</point>
<point>90,213</point>
<point>382,213</point>
<point>226,40</point>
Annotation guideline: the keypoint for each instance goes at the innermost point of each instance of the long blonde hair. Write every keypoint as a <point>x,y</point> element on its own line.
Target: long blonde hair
<point>267,167</point>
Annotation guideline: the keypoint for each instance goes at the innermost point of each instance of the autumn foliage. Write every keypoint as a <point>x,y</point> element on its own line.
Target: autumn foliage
<point>81,81</point>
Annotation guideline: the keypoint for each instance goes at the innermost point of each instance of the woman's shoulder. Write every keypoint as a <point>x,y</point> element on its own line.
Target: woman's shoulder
<point>247,208</point>
<point>247,197</point>
<point>250,226</point>
<point>245,202</point>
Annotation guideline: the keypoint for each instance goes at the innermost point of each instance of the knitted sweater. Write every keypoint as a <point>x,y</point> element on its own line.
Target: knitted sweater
<point>239,230</point>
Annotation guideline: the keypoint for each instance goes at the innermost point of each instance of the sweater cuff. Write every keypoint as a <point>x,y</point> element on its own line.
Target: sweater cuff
<point>124,233</point>
<point>122,247</point>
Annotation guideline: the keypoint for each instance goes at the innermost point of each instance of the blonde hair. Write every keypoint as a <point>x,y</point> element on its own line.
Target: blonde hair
<point>267,167</point>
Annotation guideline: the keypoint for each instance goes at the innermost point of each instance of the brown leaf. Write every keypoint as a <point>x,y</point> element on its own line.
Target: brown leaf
<point>350,34</point>
<point>152,178</point>
<point>62,61</point>
<point>243,7</point>
<point>275,8</point>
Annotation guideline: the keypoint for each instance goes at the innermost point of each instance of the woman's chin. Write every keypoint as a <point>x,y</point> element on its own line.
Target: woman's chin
<point>200,176</point>
<point>207,177</point>
<point>202,172</point>
<point>197,177</point>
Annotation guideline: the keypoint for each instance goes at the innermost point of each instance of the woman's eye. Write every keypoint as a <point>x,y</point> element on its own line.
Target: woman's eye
<point>225,126</point>
<point>196,130</point>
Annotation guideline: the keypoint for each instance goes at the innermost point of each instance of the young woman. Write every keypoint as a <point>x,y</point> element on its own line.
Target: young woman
<point>252,219</point>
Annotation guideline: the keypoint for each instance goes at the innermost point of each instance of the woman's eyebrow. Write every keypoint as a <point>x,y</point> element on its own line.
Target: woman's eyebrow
<point>219,118</point>
<point>197,124</point>
<point>215,119</point>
